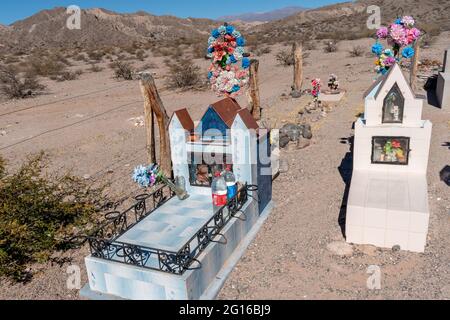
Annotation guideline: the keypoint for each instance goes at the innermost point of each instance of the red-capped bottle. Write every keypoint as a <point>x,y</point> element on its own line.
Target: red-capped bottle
<point>219,190</point>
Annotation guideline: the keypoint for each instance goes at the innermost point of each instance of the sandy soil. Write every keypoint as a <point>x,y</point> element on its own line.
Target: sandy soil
<point>85,126</point>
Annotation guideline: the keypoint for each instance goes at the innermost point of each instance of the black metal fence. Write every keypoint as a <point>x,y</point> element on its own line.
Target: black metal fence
<point>104,244</point>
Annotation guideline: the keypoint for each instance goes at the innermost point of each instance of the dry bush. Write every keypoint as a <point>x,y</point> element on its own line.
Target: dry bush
<point>310,45</point>
<point>39,212</point>
<point>140,54</point>
<point>285,58</point>
<point>11,60</point>
<point>45,66</point>
<point>95,68</point>
<point>122,70</point>
<point>15,87</point>
<point>80,57</point>
<point>330,46</point>
<point>199,50</point>
<point>356,51</point>
<point>262,51</point>
<point>67,76</point>
<point>96,55</point>
<point>184,75</point>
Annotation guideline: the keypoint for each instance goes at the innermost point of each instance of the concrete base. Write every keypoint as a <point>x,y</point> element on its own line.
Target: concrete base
<point>113,280</point>
<point>332,97</point>
<point>443,90</point>
<point>388,209</point>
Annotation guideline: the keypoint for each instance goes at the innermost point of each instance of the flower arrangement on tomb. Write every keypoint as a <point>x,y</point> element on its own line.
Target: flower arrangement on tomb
<point>400,34</point>
<point>316,89</point>
<point>393,152</point>
<point>228,72</point>
<point>149,176</point>
<point>333,82</point>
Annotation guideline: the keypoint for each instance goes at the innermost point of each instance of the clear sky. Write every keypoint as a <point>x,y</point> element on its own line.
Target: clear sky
<point>14,10</point>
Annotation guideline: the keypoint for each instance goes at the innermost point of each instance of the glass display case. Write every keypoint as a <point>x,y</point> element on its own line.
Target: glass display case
<point>390,150</point>
<point>393,106</point>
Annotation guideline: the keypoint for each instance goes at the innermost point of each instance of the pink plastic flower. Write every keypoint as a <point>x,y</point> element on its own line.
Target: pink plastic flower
<point>399,34</point>
<point>382,33</point>
<point>414,33</point>
<point>408,21</point>
<point>389,61</point>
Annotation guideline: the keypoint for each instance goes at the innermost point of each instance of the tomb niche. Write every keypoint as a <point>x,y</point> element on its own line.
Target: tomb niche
<point>393,106</point>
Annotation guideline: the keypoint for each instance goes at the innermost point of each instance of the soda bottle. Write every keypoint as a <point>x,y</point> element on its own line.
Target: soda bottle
<point>230,181</point>
<point>219,190</point>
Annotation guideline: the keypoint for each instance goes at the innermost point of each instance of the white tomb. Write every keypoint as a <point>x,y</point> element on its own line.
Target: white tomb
<point>165,248</point>
<point>388,199</point>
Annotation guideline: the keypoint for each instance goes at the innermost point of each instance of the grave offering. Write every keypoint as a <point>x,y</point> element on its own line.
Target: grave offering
<point>166,248</point>
<point>333,93</point>
<point>443,83</point>
<point>388,199</point>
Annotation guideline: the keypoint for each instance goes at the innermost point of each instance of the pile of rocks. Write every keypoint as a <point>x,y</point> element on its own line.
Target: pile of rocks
<point>295,136</point>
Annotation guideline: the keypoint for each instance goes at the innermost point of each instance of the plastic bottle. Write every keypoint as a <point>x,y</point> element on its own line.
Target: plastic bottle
<point>219,190</point>
<point>230,181</point>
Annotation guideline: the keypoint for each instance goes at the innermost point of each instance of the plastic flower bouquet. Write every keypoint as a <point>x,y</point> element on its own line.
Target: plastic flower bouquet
<point>228,72</point>
<point>149,176</point>
<point>400,34</point>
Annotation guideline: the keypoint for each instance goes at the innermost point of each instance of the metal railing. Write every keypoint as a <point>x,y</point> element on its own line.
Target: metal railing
<point>104,242</point>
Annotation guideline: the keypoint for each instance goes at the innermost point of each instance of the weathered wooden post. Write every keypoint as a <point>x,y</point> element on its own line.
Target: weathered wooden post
<point>155,107</point>
<point>414,66</point>
<point>297,50</point>
<point>255,102</point>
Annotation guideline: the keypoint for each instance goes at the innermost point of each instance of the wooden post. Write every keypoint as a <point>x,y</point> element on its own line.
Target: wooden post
<point>149,126</point>
<point>298,66</point>
<point>414,65</point>
<point>255,102</point>
<point>156,108</point>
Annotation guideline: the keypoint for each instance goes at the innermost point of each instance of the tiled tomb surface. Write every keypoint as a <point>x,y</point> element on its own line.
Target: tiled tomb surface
<point>388,198</point>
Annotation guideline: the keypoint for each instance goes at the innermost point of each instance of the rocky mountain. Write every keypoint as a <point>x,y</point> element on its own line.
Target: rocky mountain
<point>100,27</point>
<point>264,16</point>
<point>349,20</point>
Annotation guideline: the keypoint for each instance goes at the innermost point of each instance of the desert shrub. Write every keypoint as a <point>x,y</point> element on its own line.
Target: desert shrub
<point>13,86</point>
<point>39,212</point>
<point>330,46</point>
<point>67,76</point>
<point>96,55</point>
<point>356,51</point>
<point>95,68</point>
<point>11,60</point>
<point>310,45</point>
<point>184,75</point>
<point>140,54</point>
<point>199,50</point>
<point>80,57</point>
<point>261,51</point>
<point>122,70</point>
<point>285,58</point>
<point>45,66</point>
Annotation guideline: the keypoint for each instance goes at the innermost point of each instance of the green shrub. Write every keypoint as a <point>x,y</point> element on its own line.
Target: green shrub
<point>39,212</point>
<point>13,86</point>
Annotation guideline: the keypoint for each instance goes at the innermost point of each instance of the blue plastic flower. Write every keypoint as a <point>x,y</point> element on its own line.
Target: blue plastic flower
<point>398,21</point>
<point>215,33</point>
<point>230,30</point>
<point>236,88</point>
<point>140,175</point>
<point>245,63</point>
<point>408,52</point>
<point>377,48</point>
<point>389,52</point>
<point>383,71</point>
<point>210,49</point>
<point>240,41</point>
<point>222,30</point>
<point>236,34</point>
<point>210,74</point>
<point>233,59</point>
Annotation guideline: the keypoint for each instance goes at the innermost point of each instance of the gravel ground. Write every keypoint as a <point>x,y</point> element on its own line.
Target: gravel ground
<point>294,255</point>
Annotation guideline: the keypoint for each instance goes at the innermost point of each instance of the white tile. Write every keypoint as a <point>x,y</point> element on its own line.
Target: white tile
<point>354,216</point>
<point>354,234</point>
<point>398,220</point>
<point>419,222</point>
<point>398,194</point>
<point>376,195</point>
<point>396,237</point>
<point>375,217</point>
<point>357,195</point>
<point>417,241</point>
<point>374,236</point>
